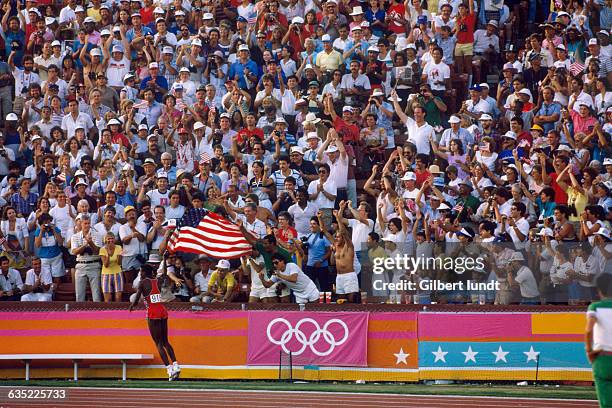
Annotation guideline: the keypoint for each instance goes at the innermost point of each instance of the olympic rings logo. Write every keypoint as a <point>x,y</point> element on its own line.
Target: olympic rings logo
<point>314,337</point>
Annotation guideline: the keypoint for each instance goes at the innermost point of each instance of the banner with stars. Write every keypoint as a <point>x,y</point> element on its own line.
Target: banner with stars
<point>502,346</point>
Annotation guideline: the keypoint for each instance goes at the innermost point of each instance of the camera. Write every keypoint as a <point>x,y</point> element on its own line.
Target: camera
<point>277,133</point>
<point>304,242</point>
<point>15,46</point>
<point>197,9</point>
<point>269,16</point>
<point>47,226</point>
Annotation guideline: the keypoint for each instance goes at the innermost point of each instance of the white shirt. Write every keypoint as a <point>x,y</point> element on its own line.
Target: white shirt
<point>158,198</point>
<point>419,135</point>
<point>480,107</point>
<point>11,281</point>
<point>45,277</point>
<point>482,41</point>
<point>116,71</point>
<point>69,124</point>
<point>321,201</point>
<point>255,281</point>
<point>338,172</point>
<point>583,98</point>
<point>101,231</point>
<point>527,283</point>
<point>360,233</point>
<point>437,73</point>
<point>303,287</point>
<point>63,220</point>
<point>23,81</point>
<point>135,247</point>
<point>301,217</point>
<point>257,228</point>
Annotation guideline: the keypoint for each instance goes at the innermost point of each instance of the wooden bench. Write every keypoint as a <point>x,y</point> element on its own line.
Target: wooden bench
<point>27,358</point>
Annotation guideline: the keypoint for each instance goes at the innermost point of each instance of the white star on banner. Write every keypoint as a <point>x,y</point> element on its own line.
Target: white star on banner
<point>469,355</point>
<point>401,357</point>
<point>531,354</point>
<point>440,355</point>
<point>500,354</point>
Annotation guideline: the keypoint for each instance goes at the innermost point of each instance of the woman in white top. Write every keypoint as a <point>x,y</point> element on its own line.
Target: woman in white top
<point>73,147</point>
<point>560,274</point>
<point>485,153</point>
<point>63,215</point>
<point>15,230</point>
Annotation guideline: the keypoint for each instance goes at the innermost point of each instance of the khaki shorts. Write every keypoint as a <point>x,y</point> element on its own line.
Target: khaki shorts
<point>464,50</point>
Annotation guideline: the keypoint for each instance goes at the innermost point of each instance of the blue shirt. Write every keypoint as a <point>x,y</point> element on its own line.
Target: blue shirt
<point>371,16</point>
<point>354,56</point>
<point>126,199</point>
<point>547,110</point>
<point>159,80</point>
<point>9,37</point>
<point>49,248</point>
<point>317,247</point>
<point>237,69</point>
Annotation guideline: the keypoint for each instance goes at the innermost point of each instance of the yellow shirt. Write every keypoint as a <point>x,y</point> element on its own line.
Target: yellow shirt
<point>328,62</point>
<point>95,14</point>
<point>113,266</point>
<point>216,285</point>
<point>579,200</point>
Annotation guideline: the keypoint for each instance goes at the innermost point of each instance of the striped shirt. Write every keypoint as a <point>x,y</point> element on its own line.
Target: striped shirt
<point>77,241</point>
<point>279,179</point>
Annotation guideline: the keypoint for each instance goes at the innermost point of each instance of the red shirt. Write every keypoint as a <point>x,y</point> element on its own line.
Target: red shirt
<point>120,139</point>
<point>396,11</point>
<point>153,303</point>
<point>421,177</point>
<point>465,32</point>
<point>560,195</point>
<point>348,132</point>
<point>245,134</point>
<point>146,15</point>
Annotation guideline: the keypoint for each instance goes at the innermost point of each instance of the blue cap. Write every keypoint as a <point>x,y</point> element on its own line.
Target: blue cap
<point>422,20</point>
<point>242,19</point>
<point>476,88</point>
<point>438,181</point>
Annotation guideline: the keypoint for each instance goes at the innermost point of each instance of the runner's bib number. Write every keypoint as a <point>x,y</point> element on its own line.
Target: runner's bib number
<point>156,298</point>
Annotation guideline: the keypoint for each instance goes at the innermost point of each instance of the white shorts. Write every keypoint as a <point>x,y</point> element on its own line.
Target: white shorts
<point>347,283</point>
<point>309,297</point>
<point>271,291</point>
<point>258,292</point>
<point>54,265</point>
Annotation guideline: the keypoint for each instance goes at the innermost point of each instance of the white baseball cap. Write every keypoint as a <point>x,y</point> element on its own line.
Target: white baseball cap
<point>454,119</point>
<point>223,264</point>
<point>409,176</point>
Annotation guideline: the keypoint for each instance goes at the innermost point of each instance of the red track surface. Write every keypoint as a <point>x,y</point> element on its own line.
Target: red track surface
<point>177,398</point>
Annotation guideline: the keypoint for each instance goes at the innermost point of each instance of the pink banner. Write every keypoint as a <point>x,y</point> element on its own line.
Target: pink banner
<point>313,338</point>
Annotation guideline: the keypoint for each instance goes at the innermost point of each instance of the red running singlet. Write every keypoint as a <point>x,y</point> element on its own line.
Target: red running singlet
<point>153,303</point>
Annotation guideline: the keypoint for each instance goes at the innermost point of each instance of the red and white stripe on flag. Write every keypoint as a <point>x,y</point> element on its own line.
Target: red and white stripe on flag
<point>214,236</point>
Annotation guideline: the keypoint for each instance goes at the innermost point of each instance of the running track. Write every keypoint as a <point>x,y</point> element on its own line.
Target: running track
<point>176,398</point>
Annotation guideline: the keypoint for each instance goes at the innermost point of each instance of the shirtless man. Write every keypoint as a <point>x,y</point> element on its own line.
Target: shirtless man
<point>347,284</point>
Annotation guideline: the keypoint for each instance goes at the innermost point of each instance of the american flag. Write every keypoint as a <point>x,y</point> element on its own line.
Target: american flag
<point>205,156</point>
<point>204,232</point>
<point>458,207</point>
<point>252,19</point>
<point>61,177</point>
<point>2,242</point>
<point>576,68</point>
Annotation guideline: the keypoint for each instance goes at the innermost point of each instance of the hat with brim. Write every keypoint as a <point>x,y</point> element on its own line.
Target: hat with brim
<point>331,149</point>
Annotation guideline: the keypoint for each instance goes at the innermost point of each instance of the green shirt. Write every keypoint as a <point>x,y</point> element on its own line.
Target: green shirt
<point>267,256</point>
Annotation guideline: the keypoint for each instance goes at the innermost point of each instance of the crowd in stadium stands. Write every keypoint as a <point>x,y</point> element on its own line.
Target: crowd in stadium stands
<point>335,133</point>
